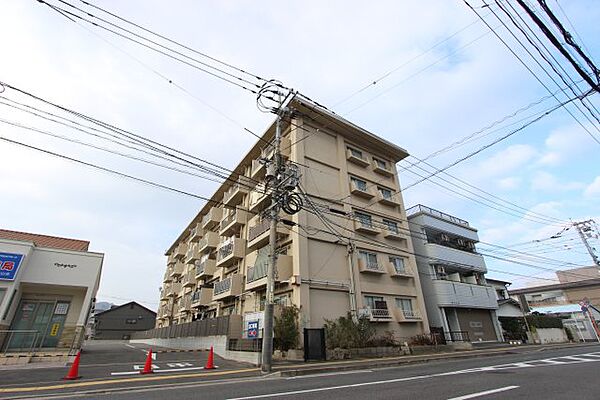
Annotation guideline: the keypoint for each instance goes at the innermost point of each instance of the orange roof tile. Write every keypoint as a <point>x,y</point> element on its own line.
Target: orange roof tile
<point>45,240</point>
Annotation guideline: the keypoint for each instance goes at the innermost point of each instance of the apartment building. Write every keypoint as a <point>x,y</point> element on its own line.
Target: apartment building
<point>218,264</point>
<point>459,301</point>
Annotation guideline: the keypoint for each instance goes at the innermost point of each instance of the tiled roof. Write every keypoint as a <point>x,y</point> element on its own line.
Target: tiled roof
<point>45,240</point>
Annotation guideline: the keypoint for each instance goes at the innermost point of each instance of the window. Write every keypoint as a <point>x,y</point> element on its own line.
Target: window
<point>359,184</point>
<point>406,306</point>
<point>385,193</point>
<point>364,219</point>
<point>391,226</point>
<point>356,153</point>
<point>380,163</point>
<point>131,321</point>
<point>398,263</point>
<point>375,302</point>
<point>369,258</point>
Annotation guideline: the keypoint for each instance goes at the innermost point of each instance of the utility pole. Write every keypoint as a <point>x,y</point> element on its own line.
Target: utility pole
<point>352,289</point>
<point>267,342</point>
<point>282,179</point>
<point>585,230</point>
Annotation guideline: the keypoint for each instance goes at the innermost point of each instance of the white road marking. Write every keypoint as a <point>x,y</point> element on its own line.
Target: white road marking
<point>128,345</point>
<point>360,371</point>
<point>156,369</point>
<point>179,365</point>
<point>484,393</point>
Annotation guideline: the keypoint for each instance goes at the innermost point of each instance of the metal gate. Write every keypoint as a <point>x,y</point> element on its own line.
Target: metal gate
<point>314,344</point>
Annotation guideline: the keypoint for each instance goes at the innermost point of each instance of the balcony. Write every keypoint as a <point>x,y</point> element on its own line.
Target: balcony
<point>165,293</point>
<point>407,315</point>
<point>180,251</point>
<point>192,253</point>
<point>389,199</point>
<point>258,170</point>
<point>235,193</point>
<point>405,272</point>
<point>185,304</point>
<point>376,268</point>
<point>361,190</point>
<point>228,287</point>
<point>357,157</point>
<point>393,234</point>
<point>209,242</point>
<point>258,233</point>
<point>202,297</point>
<point>196,233</point>
<point>205,268</point>
<point>382,168</point>
<point>257,274</point>
<point>233,222</point>
<point>365,227</point>
<point>285,147</point>
<point>189,279</point>
<point>212,218</point>
<point>459,294</point>
<point>174,289</point>
<point>167,278</point>
<point>230,251</point>
<point>171,260</point>
<point>259,199</point>
<point>177,270</point>
<point>376,314</point>
<point>462,259</point>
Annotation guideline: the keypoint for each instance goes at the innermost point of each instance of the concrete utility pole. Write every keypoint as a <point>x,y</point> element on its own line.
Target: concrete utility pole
<point>585,230</point>
<point>267,343</point>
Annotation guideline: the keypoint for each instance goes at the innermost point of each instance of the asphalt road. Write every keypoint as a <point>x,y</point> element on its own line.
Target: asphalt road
<point>550,374</point>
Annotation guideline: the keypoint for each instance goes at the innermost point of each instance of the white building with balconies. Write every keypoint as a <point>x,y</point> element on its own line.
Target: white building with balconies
<point>458,299</point>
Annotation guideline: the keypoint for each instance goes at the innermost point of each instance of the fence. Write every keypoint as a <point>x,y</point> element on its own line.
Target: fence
<point>229,325</point>
<point>456,336</point>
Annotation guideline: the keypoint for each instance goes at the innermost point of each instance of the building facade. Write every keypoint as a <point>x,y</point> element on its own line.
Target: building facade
<point>119,322</point>
<point>47,288</point>
<point>457,296</point>
<point>218,264</point>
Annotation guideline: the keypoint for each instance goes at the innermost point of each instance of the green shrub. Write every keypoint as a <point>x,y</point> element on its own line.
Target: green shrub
<point>286,330</point>
<point>346,333</point>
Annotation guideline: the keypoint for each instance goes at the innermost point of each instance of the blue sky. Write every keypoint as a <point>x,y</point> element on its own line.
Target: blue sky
<point>328,52</point>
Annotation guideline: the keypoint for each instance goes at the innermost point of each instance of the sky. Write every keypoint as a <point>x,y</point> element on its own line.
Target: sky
<point>441,75</point>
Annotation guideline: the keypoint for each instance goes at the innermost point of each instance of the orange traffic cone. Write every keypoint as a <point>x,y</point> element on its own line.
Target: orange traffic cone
<point>210,362</point>
<point>74,370</point>
<point>148,365</point>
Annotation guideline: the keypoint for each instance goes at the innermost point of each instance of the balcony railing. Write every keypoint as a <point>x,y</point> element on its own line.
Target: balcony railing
<point>365,266</point>
<point>177,269</point>
<point>228,287</point>
<point>180,251</point>
<point>365,227</point>
<point>419,208</point>
<point>230,251</point>
<point>237,190</point>
<point>407,315</point>
<point>361,190</point>
<point>233,221</point>
<point>174,289</point>
<point>202,297</point>
<point>376,314</point>
<point>189,279</point>
<point>192,253</point>
<point>205,268</point>
<point>258,169</point>
<point>258,229</point>
<point>212,218</point>
<point>209,242</point>
<point>196,233</point>
<point>257,272</point>
<point>357,157</point>
<point>392,199</point>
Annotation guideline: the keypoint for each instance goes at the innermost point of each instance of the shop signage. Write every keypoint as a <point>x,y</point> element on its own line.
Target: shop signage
<point>61,265</point>
<point>252,329</point>
<point>9,265</point>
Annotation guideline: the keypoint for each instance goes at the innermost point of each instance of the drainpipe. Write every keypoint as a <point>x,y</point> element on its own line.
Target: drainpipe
<point>352,288</point>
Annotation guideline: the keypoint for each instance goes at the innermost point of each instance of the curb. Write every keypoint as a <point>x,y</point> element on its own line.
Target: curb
<point>382,362</point>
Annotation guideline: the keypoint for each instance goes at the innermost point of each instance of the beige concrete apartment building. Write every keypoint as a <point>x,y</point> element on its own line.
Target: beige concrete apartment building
<point>218,264</point>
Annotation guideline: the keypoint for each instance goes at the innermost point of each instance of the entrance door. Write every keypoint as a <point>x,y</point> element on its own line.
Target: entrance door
<point>45,318</point>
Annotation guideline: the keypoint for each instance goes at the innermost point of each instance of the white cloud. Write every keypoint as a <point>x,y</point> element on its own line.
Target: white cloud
<point>564,144</point>
<point>509,183</point>
<point>593,189</point>
<point>506,160</point>
<point>546,181</point>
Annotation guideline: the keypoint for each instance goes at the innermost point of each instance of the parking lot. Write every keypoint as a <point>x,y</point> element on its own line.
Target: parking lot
<point>105,359</point>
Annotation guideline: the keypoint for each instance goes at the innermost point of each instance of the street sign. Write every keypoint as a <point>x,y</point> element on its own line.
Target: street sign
<point>252,329</point>
<point>9,265</point>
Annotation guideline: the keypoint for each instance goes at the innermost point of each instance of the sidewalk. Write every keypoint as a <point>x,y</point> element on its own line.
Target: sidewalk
<point>317,367</point>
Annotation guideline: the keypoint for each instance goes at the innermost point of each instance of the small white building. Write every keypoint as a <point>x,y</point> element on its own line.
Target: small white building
<point>47,288</point>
